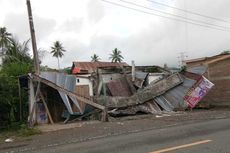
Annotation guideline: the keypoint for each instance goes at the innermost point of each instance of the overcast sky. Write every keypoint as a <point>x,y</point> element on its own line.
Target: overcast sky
<point>86,27</point>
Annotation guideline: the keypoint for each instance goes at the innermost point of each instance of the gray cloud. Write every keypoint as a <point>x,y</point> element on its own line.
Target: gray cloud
<point>72,25</point>
<point>95,11</point>
<point>159,42</point>
<point>18,24</point>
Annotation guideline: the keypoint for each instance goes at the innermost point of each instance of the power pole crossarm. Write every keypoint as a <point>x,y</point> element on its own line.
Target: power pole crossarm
<point>33,38</point>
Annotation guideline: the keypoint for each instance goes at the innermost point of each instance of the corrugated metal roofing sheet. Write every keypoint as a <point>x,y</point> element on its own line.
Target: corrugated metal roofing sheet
<point>198,69</point>
<point>164,103</point>
<point>174,98</point>
<point>66,81</point>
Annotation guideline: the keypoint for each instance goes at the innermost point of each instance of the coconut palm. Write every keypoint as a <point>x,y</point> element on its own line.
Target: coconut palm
<point>116,56</point>
<point>95,58</point>
<point>17,52</point>
<point>57,51</point>
<point>5,38</point>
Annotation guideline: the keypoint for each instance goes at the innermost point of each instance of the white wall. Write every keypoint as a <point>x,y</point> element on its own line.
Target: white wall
<point>85,81</point>
<point>154,77</point>
<point>109,77</point>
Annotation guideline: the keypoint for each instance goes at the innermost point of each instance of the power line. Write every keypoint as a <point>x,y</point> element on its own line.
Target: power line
<point>138,10</point>
<point>191,12</point>
<point>194,20</point>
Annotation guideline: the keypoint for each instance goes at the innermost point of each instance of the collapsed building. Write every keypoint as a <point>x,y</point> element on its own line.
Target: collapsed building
<point>114,88</point>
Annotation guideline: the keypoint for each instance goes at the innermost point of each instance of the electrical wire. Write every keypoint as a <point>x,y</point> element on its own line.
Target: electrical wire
<point>190,12</point>
<point>175,19</point>
<point>194,20</point>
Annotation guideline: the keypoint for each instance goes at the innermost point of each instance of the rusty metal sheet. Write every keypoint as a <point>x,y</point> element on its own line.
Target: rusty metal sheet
<point>92,66</point>
<point>119,87</point>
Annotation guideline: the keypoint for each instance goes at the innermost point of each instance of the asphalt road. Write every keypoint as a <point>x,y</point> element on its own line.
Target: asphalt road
<point>204,137</point>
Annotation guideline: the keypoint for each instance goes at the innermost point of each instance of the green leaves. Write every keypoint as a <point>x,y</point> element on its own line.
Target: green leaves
<point>95,58</point>
<point>5,38</point>
<point>116,56</point>
<point>16,62</point>
<point>57,50</point>
<point>17,52</point>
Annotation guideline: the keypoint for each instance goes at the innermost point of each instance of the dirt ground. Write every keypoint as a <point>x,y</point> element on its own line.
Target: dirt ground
<point>60,134</point>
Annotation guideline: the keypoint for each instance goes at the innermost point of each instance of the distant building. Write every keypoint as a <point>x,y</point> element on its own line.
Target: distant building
<point>217,70</point>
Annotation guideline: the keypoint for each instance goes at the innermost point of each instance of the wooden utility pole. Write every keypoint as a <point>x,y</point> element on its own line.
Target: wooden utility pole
<point>33,38</point>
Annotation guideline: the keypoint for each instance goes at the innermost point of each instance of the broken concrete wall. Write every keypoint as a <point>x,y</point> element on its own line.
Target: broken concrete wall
<point>144,95</point>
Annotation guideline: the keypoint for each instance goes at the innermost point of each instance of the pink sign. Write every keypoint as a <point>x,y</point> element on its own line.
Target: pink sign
<point>195,94</point>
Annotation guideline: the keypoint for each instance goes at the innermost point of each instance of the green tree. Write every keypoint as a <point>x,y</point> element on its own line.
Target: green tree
<point>116,56</point>
<point>16,62</point>
<point>225,52</point>
<point>95,58</point>
<point>5,38</point>
<point>57,51</point>
<point>17,52</point>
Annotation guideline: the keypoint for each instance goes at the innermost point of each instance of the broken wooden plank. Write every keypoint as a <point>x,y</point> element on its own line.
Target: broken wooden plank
<point>46,107</point>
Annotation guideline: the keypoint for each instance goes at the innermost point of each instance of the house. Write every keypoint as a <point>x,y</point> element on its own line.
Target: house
<point>84,71</point>
<point>217,70</point>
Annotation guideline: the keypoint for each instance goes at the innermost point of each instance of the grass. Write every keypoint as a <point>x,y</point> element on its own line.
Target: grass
<point>18,131</point>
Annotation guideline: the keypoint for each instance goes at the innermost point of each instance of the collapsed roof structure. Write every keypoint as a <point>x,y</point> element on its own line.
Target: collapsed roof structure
<point>116,89</point>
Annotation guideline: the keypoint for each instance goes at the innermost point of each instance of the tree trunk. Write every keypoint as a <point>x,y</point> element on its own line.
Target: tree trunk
<point>58,63</point>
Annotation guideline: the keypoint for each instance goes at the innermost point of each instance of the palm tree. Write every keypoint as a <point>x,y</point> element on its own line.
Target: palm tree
<point>17,52</point>
<point>57,51</point>
<point>95,58</point>
<point>5,38</point>
<point>116,56</point>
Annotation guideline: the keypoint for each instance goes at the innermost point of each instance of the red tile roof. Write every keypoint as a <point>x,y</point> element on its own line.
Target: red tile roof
<point>92,66</point>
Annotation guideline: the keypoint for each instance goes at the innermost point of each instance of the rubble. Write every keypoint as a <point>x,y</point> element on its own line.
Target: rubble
<point>122,90</point>
<point>144,95</point>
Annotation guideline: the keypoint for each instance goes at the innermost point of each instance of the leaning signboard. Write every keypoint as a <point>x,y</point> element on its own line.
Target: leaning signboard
<point>196,93</point>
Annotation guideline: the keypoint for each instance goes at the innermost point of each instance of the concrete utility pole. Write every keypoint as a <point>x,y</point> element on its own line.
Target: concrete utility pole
<point>133,71</point>
<point>33,38</point>
<point>182,58</point>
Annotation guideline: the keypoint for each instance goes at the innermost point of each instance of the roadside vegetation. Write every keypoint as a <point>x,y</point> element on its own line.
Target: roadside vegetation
<point>17,131</point>
<point>16,62</point>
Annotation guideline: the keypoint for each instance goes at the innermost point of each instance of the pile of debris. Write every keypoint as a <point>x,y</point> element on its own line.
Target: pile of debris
<point>116,89</point>
<point>156,90</point>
